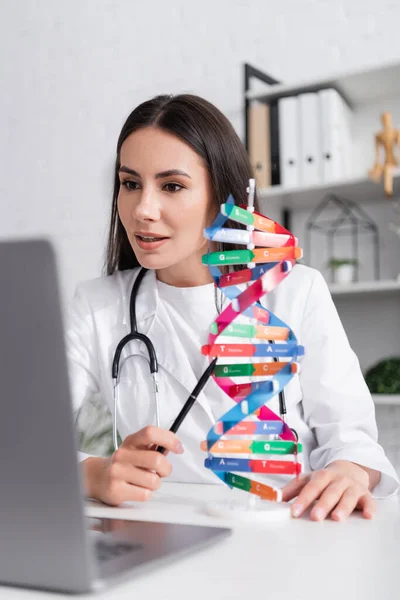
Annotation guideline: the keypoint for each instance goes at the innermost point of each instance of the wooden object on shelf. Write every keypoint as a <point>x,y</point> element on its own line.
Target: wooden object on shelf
<point>259,143</point>
<point>387,140</point>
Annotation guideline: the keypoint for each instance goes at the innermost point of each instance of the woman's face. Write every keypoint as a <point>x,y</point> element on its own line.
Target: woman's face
<point>165,192</point>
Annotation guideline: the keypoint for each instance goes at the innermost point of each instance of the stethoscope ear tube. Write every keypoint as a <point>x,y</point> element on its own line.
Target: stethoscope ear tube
<point>132,301</point>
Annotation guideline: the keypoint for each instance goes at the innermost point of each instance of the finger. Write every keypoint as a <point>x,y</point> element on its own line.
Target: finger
<point>135,493</point>
<point>294,487</point>
<point>329,499</point>
<point>154,447</point>
<point>347,503</point>
<point>118,491</point>
<point>145,459</point>
<point>368,506</point>
<point>125,473</point>
<point>143,478</point>
<point>312,491</point>
<point>154,436</point>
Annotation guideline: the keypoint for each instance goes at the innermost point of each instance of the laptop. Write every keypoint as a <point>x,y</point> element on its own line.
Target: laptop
<point>46,541</point>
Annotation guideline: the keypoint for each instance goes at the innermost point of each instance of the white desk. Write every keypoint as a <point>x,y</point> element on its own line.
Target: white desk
<point>295,559</point>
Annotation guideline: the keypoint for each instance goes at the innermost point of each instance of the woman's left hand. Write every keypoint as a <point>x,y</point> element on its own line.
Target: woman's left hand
<point>337,490</point>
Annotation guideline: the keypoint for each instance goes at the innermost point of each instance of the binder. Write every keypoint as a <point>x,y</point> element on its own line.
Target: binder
<point>275,149</point>
<point>288,109</point>
<point>259,143</point>
<point>348,140</point>
<point>310,139</point>
<point>335,135</point>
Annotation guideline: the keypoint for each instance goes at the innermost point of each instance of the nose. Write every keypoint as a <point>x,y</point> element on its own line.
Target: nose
<point>146,206</point>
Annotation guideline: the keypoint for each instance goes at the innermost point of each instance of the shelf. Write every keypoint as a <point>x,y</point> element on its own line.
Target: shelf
<point>357,87</point>
<point>359,189</point>
<point>386,399</point>
<point>365,287</point>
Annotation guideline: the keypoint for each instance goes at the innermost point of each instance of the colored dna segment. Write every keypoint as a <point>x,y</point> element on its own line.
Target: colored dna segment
<point>245,217</point>
<point>262,350</point>
<point>270,350</point>
<point>253,447</point>
<point>258,238</point>
<point>252,331</point>
<point>250,428</point>
<point>238,257</point>
<point>271,467</point>
<point>252,369</point>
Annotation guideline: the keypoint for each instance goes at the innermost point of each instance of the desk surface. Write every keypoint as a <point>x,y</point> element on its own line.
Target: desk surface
<point>295,559</point>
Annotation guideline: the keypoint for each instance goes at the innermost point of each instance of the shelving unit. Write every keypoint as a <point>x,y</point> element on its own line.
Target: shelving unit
<point>369,310</point>
<point>362,90</point>
<point>386,399</point>
<point>366,287</point>
<point>359,189</point>
<point>357,87</point>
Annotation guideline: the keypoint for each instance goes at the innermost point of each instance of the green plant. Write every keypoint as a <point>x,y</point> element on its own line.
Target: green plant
<point>384,377</point>
<point>94,428</point>
<point>335,263</point>
<point>100,443</point>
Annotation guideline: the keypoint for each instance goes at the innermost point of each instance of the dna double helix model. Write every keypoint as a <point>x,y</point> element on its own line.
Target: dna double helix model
<point>250,438</point>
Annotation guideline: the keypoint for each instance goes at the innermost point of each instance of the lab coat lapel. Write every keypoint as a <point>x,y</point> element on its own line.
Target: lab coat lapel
<point>171,356</point>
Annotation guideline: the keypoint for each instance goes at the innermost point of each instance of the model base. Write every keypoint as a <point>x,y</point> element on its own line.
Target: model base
<point>257,512</point>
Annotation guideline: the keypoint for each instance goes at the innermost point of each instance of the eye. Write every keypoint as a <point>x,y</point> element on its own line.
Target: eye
<point>130,185</point>
<point>172,187</point>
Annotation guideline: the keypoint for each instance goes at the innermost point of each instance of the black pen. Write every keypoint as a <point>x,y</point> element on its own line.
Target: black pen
<point>191,400</point>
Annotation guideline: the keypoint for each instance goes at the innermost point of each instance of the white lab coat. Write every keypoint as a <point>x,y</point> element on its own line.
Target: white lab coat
<point>328,403</point>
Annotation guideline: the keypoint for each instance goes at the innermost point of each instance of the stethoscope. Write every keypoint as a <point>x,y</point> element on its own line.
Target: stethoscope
<point>116,363</point>
<point>153,362</point>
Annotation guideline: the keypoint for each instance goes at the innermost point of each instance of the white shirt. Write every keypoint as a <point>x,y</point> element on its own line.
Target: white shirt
<point>191,311</point>
<point>328,403</point>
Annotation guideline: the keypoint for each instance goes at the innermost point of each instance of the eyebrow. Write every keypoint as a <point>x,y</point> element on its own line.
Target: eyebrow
<point>161,175</point>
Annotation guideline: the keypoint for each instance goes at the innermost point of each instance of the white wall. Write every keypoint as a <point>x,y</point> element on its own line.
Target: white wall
<point>70,73</point>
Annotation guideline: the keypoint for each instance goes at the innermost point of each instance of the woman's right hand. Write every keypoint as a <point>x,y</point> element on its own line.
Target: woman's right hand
<point>133,471</point>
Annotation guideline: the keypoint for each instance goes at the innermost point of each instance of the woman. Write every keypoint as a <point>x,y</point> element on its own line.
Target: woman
<point>178,159</point>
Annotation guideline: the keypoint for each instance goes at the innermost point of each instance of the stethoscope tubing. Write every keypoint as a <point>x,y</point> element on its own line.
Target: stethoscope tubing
<point>134,335</point>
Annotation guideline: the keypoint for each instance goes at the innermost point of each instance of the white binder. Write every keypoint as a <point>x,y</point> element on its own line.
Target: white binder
<point>310,139</point>
<point>288,110</point>
<point>335,136</point>
<point>348,140</point>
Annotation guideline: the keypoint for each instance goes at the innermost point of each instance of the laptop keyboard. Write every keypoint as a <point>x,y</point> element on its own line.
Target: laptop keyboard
<point>108,549</point>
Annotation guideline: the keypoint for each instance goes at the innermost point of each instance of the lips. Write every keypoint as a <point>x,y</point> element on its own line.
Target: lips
<point>150,236</point>
<point>150,243</point>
